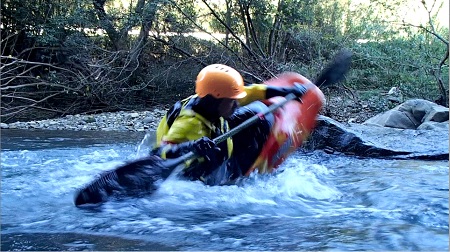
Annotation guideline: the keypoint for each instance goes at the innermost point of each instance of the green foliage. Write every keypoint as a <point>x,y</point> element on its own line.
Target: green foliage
<point>409,63</point>
<point>172,18</point>
<point>264,38</point>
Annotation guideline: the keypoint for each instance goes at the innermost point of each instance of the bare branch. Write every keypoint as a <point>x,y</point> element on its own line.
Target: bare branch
<point>247,48</point>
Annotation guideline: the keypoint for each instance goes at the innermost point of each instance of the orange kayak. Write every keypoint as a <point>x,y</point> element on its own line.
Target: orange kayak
<point>294,122</point>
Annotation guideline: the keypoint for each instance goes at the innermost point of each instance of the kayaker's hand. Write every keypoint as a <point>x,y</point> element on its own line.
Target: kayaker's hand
<point>206,148</point>
<point>299,90</point>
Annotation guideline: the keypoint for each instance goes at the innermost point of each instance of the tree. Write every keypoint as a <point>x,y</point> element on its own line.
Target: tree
<point>73,56</point>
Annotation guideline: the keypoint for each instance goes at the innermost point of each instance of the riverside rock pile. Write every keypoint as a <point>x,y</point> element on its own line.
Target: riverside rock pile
<point>117,121</point>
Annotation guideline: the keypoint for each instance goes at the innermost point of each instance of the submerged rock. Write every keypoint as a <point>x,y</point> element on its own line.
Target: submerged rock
<point>379,142</point>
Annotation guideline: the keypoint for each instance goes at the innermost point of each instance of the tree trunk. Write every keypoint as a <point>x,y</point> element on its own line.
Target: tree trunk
<point>118,41</point>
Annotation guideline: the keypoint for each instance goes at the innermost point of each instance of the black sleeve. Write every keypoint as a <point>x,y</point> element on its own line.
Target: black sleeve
<point>273,91</point>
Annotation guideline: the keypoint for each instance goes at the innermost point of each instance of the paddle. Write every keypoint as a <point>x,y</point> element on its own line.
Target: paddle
<point>335,71</point>
<point>139,177</point>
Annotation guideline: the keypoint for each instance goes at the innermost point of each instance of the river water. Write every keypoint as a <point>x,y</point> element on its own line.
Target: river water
<point>318,202</point>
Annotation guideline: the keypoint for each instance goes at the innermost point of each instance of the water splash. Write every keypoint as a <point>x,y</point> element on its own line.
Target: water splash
<point>299,184</point>
<point>146,145</point>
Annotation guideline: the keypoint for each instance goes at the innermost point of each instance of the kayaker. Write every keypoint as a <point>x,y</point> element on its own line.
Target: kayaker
<point>221,102</point>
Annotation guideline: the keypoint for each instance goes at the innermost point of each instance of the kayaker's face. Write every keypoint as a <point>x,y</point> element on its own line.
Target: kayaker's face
<point>227,107</point>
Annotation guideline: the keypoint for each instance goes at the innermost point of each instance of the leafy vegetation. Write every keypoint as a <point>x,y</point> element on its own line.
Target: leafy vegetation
<point>86,56</point>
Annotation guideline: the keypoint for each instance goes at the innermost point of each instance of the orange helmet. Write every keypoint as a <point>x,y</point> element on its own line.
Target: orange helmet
<point>220,81</point>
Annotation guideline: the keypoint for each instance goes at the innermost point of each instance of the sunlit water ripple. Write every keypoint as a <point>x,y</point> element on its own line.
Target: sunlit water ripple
<point>317,202</point>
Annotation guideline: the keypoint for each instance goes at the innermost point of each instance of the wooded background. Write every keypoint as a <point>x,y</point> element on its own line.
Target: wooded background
<point>64,57</point>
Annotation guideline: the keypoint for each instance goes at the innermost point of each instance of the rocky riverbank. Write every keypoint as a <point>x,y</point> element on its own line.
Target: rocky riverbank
<point>427,141</point>
<point>118,121</point>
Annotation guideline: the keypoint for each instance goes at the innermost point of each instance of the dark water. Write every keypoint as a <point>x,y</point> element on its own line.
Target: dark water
<point>318,202</point>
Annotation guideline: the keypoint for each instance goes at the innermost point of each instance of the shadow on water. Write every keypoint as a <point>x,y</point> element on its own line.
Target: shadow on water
<point>317,202</point>
<point>75,242</point>
<point>12,139</point>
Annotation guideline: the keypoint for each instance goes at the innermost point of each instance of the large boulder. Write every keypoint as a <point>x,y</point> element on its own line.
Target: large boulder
<point>382,142</point>
<point>411,115</point>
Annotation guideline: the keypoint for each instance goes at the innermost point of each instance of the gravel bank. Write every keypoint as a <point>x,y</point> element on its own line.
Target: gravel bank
<point>117,121</point>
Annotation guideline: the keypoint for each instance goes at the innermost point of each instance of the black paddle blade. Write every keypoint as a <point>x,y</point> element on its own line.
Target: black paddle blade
<point>132,179</point>
<point>335,70</point>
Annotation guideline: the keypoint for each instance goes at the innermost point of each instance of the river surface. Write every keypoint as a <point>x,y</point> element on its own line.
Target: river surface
<point>318,202</point>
